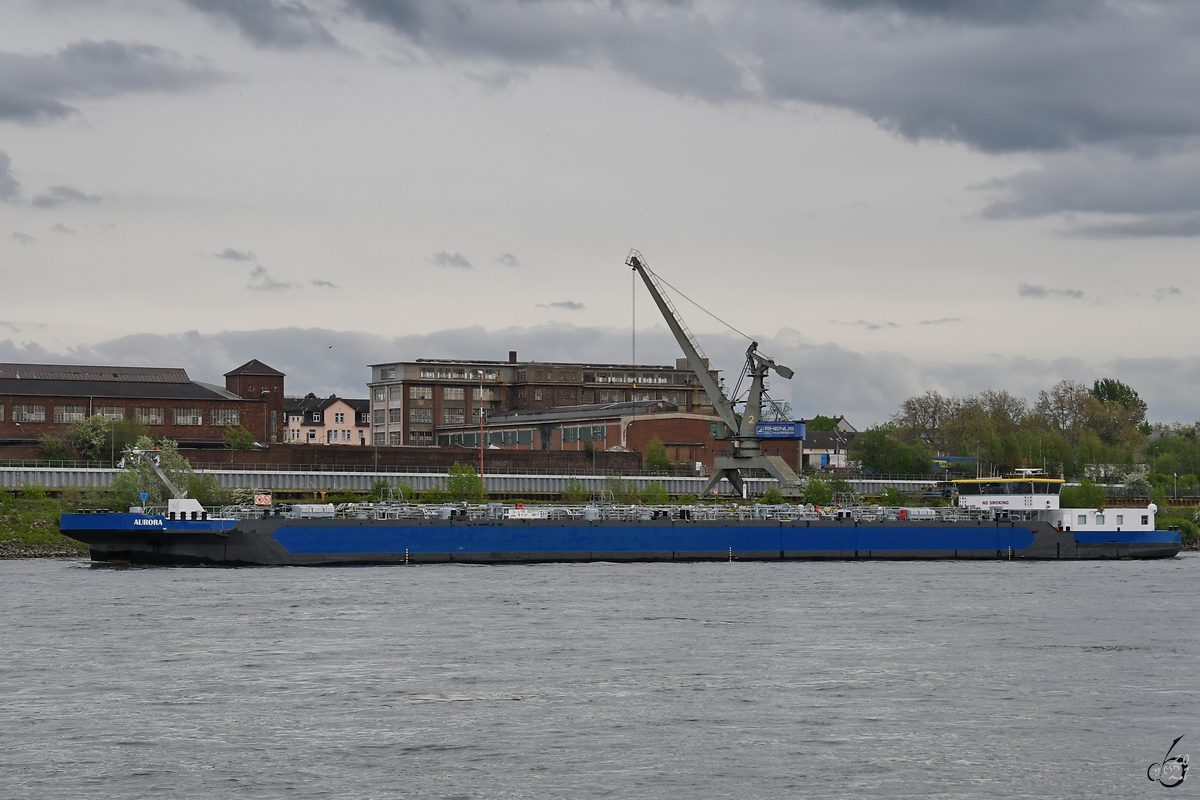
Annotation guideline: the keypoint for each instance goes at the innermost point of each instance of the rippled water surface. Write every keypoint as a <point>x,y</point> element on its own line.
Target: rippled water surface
<point>734,680</point>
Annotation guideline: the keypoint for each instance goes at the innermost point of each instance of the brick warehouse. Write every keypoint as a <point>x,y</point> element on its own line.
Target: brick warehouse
<point>46,399</point>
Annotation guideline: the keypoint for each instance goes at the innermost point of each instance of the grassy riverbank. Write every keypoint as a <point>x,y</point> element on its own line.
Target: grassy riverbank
<point>29,529</point>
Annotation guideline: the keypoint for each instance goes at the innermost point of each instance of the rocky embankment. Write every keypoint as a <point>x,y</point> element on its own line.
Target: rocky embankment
<point>18,549</point>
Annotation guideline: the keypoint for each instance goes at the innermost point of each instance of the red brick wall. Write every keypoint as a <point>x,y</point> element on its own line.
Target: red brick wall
<point>253,416</point>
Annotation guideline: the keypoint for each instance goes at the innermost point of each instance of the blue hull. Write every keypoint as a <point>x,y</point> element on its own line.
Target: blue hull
<point>283,541</point>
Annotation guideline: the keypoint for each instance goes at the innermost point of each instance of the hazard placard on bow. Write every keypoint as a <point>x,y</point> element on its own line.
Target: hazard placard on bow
<point>262,499</point>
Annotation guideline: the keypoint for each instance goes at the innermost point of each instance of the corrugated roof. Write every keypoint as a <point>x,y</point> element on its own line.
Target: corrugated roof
<point>73,372</point>
<point>117,389</point>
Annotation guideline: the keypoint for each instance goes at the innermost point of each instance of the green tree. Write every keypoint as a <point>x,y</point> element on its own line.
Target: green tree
<point>575,492</point>
<point>238,438</point>
<point>655,494</point>
<point>817,491</point>
<point>138,476</point>
<point>621,490</point>
<point>656,456</point>
<point>772,496</point>
<point>1086,495</point>
<point>1111,390</point>
<point>90,438</point>
<point>878,451</point>
<point>55,448</point>
<point>776,411</point>
<point>821,424</point>
<point>892,497</point>
<point>464,484</point>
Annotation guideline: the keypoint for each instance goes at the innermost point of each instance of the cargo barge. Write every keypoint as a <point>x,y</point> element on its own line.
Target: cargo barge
<point>1004,519</point>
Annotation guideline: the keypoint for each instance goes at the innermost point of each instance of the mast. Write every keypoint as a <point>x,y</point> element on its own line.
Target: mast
<point>746,451</point>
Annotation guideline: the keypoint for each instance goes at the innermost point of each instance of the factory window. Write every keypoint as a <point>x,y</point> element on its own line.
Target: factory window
<point>395,415</point>
<point>395,392</point>
<point>537,394</point>
<point>187,416</point>
<point>150,416</point>
<point>524,437</point>
<point>420,392</point>
<point>510,437</point>
<point>28,413</point>
<point>380,395</point>
<point>423,438</point>
<point>454,416</point>
<point>380,416</point>
<point>598,433</point>
<point>70,413</point>
<point>452,393</point>
<point>224,417</point>
<point>378,439</point>
<point>487,394</point>
<point>427,372</point>
<point>420,415</point>
<point>570,434</point>
<point>388,373</point>
<point>1,412</point>
<point>394,439</point>
<point>111,412</point>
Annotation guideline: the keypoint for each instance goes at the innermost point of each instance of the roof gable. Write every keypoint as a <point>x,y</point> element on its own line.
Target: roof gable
<point>254,367</point>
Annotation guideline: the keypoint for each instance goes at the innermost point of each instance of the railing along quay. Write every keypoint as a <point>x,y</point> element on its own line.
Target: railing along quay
<point>335,480</point>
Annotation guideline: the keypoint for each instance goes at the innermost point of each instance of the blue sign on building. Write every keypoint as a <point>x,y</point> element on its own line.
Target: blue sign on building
<point>779,430</point>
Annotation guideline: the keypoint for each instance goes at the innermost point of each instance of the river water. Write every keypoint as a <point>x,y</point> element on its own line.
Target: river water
<point>890,679</point>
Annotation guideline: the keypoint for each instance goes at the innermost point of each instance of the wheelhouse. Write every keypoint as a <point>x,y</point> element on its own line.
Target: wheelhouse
<point>1023,492</point>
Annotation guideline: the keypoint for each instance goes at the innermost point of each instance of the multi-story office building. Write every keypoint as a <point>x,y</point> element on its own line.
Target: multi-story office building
<point>412,400</point>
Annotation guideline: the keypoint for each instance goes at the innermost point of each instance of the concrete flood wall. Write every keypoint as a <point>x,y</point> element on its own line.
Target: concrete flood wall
<point>321,481</point>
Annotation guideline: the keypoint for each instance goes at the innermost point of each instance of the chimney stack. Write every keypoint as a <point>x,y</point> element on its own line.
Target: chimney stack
<point>512,356</point>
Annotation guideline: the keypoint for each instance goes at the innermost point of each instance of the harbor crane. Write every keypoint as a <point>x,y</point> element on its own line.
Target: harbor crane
<point>746,452</point>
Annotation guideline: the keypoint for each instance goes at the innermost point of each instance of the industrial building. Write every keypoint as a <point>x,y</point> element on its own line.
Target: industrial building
<point>414,402</point>
<point>37,400</point>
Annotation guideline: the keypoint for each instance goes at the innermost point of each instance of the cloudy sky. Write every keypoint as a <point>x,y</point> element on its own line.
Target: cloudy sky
<point>890,195</point>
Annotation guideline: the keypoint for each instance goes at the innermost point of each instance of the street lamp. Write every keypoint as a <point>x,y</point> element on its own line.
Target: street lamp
<point>1176,487</point>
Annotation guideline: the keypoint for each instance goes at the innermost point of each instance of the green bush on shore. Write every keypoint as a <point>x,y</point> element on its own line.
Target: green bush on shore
<point>30,523</point>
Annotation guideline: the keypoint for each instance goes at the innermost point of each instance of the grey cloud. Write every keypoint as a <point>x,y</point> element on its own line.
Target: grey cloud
<point>229,254</point>
<point>978,11</point>
<point>323,284</point>
<point>866,386</point>
<point>57,196</point>
<point>60,228</point>
<point>942,321</point>
<point>263,281</point>
<point>10,188</point>
<point>36,88</point>
<point>508,260</point>
<point>569,305</point>
<point>1041,292</point>
<point>871,326</point>
<point>1070,73</point>
<point>269,23</point>
<point>1150,226</point>
<point>23,238</point>
<point>444,259</point>
<point>666,45</point>
<point>1167,291</point>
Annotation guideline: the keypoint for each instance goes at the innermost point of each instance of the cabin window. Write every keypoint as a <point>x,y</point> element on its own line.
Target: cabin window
<point>968,488</point>
<point>1145,519</point>
<point>1099,519</point>
<point>1120,519</point>
<point>1081,519</point>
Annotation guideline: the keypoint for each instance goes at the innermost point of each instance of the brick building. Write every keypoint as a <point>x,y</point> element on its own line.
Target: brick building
<point>413,402</point>
<point>41,399</point>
